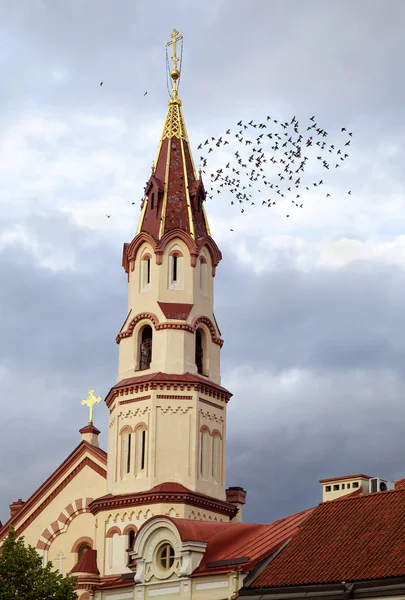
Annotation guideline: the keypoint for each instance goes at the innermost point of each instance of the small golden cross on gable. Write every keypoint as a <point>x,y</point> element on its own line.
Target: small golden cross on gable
<point>90,401</point>
<point>176,37</point>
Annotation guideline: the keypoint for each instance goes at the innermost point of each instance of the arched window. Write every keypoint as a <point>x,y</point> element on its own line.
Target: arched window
<point>130,545</point>
<point>146,263</point>
<point>131,539</point>
<point>203,274</point>
<point>152,201</point>
<point>216,457</point>
<point>176,269</point>
<point>204,451</point>
<point>141,450</point>
<point>126,454</point>
<point>199,351</point>
<point>83,549</point>
<point>145,348</point>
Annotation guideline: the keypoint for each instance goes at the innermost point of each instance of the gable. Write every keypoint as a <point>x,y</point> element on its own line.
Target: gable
<point>84,469</point>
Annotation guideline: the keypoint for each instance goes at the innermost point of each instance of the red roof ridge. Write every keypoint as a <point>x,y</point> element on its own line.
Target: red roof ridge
<point>87,563</point>
<point>356,476</point>
<point>351,496</point>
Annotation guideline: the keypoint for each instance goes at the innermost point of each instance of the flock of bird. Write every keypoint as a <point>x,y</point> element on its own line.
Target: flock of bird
<point>271,161</point>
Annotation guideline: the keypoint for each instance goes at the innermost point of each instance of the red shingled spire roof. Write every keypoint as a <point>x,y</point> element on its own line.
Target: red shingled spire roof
<point>173,203</point>
<point>174,195</point>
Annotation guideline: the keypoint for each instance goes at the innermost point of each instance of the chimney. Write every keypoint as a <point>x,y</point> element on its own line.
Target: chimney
<point>336,487</point>
<point>16,506</point>
<point>237,497</point>
<point>90,434</point>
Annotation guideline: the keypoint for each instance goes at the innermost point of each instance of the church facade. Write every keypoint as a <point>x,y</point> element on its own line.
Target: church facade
<point>153,517</point>
<point>96,515</point>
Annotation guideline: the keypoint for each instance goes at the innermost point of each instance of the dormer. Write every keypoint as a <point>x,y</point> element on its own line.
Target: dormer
<point>153,193</point>
<point>161,552</point>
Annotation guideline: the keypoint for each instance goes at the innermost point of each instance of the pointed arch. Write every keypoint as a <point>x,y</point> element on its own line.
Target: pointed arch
<point>182,235</point>
<point>214,251</point>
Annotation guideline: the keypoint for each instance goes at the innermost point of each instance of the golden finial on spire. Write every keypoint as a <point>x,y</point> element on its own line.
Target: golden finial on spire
<point>174,73</point>
<point>90,401</point>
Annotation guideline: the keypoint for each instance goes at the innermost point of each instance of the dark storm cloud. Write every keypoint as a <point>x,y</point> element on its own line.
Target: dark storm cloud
<point>58,330</point>
<point>39,306</point>
<point>344,318</point>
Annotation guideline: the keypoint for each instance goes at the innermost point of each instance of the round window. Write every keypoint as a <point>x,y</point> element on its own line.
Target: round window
<point>165,556</point>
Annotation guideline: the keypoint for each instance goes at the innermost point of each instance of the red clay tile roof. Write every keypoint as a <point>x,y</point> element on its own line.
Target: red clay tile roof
<point>357,476</point>
<point>400,484</point>
<point>349,539</point>
<point>87,563</point>
<point>228,542</point>
<point>357,492</point>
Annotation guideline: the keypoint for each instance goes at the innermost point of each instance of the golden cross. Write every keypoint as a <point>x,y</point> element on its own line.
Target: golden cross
<point>90,401</point>
<point>176,37</point>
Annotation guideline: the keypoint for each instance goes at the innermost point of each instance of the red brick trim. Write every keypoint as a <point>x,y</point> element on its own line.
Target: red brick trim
<point>172,397</point>
<point>206,321</point>
<point>52,531</point>
<point>112,531</point>
<point>166,382</point>
<point>129,528</point>
<point>211,403</point>
<point>41,492</point>
<point>134,400</point>
<point>171,325</point>
<point>140,317</point>
<point>130,251</point>
<point>56,491</point>
<point>80,541</point>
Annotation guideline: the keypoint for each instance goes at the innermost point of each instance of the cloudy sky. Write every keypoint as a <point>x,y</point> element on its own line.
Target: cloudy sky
<point>310,307</point>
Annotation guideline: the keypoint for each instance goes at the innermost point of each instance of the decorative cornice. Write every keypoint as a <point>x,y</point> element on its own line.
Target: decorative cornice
<point>163,381</point>
<point>157,497</point>
<point>130,250</point>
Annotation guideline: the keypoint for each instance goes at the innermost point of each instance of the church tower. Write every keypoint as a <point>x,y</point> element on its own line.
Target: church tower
<point>167,412</point>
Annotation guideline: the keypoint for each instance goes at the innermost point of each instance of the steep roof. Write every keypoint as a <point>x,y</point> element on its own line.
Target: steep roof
<point>174,195</point>
<point>236,545</point>
<point>249,541</point>
<point>349,539</point>
<point>87,563</point>
<point>400,484</point>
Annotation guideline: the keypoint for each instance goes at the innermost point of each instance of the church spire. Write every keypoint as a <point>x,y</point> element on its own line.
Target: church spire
<point>174,194</point>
